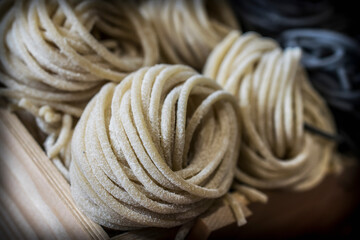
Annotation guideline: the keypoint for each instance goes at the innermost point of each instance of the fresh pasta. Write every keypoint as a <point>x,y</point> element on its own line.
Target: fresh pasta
<point>56,54</point>
<point>155,144</point>
<point>59,53</point>
<point>154,150</point>
<point>188,30</point>
<point>275,101</point>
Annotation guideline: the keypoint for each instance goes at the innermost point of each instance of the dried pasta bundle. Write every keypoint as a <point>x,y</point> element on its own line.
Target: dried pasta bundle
<point>188,30</point>
<point>58,52</point>
<point>154,150</point>
<point>276,101</point>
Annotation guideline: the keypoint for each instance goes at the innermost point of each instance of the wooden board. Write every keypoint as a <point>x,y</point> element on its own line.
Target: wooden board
<point>316,213</point>
<point>35,198</point>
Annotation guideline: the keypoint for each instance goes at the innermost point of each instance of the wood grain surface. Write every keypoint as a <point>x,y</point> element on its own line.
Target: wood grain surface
<point>35,198</point>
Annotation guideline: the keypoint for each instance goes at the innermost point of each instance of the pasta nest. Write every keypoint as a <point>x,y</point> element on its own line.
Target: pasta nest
<point>59,53</point>
<point>276,103</point>
<point>154,150</point>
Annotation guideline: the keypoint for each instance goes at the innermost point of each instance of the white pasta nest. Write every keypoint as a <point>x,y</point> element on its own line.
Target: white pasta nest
<point>275,101</point>
<point>59,53</point>
<point>154,150</point>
